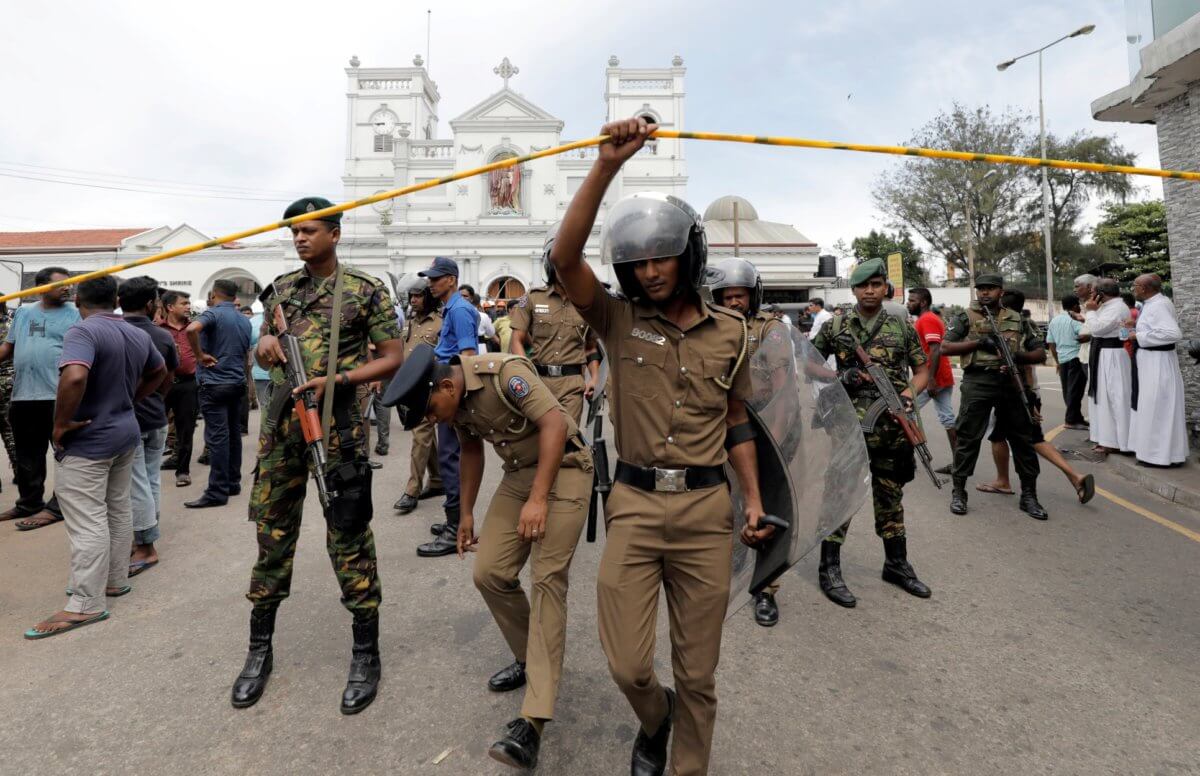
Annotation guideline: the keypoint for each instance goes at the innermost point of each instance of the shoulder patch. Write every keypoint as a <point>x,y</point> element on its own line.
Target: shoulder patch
<point>518,387</point>
<point>523,301</point>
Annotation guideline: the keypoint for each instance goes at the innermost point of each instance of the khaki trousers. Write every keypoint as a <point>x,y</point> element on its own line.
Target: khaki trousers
<point>681,541</point>
<point>534,627</point>
<point>423,456</point>
<point>569,392</point>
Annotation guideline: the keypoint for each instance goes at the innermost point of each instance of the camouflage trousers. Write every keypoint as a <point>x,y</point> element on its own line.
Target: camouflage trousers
<point>281,480</point>
<point>892,466</point>
<point>10,445</point>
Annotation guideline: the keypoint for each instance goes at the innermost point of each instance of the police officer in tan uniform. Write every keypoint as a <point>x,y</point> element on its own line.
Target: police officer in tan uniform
<point>423,326</point>
<point>547,328</point>
<point>536,514</point>
<point>678,385</point>
<point>735,283</point>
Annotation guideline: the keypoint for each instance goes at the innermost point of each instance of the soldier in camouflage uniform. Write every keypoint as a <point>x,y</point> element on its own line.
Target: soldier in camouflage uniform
<point>735,283</point>
<point>892,343</point>
<point>306,297</point>
<point>6,389</point>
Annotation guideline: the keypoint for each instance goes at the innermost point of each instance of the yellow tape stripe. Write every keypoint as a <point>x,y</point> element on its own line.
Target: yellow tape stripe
<point>793,142</point>
<point>1146,513</point>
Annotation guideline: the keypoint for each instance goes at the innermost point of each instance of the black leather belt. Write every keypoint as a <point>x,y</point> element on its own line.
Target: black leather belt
<point>558,370</point>
<point>653,478</point>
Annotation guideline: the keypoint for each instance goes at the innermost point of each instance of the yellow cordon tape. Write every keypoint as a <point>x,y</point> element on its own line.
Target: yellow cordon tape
<point>792,142</point>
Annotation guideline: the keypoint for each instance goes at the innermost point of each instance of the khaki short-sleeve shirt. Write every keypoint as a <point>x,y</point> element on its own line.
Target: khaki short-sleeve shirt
<point>421,330</point>
<point>557,332</point>
<point>669,399</point>
<point>503,402</point>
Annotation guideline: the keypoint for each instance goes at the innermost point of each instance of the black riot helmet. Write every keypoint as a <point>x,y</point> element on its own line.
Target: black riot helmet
<point>735,272</point>
<point>410,285</point>
<point>651,225</point>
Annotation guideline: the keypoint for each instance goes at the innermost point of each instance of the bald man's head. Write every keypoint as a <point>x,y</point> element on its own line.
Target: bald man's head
<point>1108,288</point>
<point>1146,286</point>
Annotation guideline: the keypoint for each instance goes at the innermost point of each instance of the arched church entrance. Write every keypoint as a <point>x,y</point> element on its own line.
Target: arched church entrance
<point>248,286</point>
<point>504,288</point>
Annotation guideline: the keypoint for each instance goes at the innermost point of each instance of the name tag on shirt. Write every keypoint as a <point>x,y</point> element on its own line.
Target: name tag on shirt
<point>541,309</point>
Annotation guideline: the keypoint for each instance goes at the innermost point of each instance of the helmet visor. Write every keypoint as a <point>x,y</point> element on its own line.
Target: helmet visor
<point>645,226</point>
<point>731,273</point>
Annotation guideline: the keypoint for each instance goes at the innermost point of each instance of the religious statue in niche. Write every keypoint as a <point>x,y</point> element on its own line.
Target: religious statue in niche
<point>504,189</point>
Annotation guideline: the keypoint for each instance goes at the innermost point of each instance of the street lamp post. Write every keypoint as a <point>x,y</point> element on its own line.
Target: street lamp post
<point>1084,30</point>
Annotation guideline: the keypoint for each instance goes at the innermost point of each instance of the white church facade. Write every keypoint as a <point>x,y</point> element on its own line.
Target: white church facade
<point>493,225</point>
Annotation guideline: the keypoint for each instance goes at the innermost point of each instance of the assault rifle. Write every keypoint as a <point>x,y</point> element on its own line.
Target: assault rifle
<point>602,480</point>
<point>1013,370</point>
<point>305,407</point>
<point>889,401</point>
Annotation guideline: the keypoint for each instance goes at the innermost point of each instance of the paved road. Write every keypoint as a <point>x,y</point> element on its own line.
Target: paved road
<point>1059,647</point>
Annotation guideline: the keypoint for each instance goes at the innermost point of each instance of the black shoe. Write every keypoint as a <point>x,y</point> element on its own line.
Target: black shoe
<point>381,449</point>
<point>650,752</point>
<point>958,497</point>
<point>406,504</point>
<point>250,683</point>
<point>898,571</point>
<point>203,459</point>
<point>829,575</point>
<point>236,490</point>
<point>365,668</point>
<point>1029,504</point>
<point>170,464</point>
<point>432,492</point>
<point>375,464</point>
<point>508,678</point>
<point>766,612</point>
<point>519,747</point>
<point>204,502</point>
<point>437,528</point>
<point>948,468</point>
<point>446,543</point>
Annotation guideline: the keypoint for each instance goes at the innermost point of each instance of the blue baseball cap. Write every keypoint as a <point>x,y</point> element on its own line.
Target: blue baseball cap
<point>442,265</point>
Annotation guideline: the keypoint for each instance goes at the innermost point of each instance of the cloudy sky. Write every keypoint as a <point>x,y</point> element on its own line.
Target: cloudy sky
<point>248,99</point>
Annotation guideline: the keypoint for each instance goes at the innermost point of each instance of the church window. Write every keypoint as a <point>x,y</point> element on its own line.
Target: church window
<point>383,144</point>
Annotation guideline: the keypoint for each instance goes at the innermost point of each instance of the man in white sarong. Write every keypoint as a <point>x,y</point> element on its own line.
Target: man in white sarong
<point>1157,428</point>
<point>1109,381</point>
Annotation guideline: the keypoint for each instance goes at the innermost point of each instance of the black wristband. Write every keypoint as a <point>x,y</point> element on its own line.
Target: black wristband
<point>595,357</point>
<point>735,435</point>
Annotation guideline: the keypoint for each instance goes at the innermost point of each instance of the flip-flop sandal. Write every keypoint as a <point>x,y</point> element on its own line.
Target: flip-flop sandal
<point>33,633</point>
<point>34,523</point>
<point>1086,489</point>
<point>138,566</point>
<point>984,488</point>
<point>120,591</point>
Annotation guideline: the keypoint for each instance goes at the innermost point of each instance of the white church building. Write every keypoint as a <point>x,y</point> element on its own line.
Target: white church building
<point>492,225</point>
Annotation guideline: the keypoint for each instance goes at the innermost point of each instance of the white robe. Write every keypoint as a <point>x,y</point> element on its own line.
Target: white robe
<point>1157,428</point>
<point>1108,413</point>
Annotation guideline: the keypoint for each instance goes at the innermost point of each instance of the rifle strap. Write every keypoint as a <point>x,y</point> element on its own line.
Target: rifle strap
<point>335,330</point>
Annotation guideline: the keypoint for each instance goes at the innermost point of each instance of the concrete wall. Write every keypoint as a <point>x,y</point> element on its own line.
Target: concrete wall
<point>1179,149</point>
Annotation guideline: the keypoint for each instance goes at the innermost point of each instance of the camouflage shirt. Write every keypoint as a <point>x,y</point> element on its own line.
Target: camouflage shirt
<point>6,368</point>
<point>972,325</point>
<point>895,347</point>
<point>367,316</point>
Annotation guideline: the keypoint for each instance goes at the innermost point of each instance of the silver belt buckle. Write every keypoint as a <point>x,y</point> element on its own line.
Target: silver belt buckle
<point>670,480</point>
<point>553,370</point>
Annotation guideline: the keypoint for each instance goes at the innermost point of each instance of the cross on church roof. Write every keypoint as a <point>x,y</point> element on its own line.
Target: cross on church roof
<point>506,71</point>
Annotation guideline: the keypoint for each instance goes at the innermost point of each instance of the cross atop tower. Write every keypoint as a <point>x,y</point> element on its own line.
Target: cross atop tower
<point>506,70</point>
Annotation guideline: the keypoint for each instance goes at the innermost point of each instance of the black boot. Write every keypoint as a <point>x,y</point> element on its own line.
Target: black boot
<point>766,611</point>
<point>650,752</point>
<point>508,678</point>
<point>365,668</point>
<point>250,683</point>
<point>519,747</point>
<point>829,574</point>
<point>958,496</point>
<point>896,568</point>
<point>446,541</point>
<point>1029,502</point>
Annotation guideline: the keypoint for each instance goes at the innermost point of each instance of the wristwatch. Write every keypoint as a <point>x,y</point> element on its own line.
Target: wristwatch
<point>344,377</point>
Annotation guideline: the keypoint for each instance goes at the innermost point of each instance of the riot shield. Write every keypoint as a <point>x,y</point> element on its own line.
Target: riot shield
<point>812,462</point>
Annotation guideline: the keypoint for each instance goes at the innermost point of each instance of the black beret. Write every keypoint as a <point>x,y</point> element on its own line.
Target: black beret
<point>990,279</point>
<point>410,389</point>
<point>310,205</point>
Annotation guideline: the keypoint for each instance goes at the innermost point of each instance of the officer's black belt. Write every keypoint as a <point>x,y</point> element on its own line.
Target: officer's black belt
<point>654,478</point>
<point>185,378</point>
<point>558,370</point>
<point>1133,368</point>
<point>1098,344</point>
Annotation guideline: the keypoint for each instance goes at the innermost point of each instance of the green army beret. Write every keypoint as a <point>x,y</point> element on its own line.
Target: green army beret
<point>867,270</point>
<point>990,279</point>
<point>310,205</point>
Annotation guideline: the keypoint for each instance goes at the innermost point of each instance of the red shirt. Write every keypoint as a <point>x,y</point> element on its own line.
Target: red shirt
<point>187,359</point>
<point>930,329</point>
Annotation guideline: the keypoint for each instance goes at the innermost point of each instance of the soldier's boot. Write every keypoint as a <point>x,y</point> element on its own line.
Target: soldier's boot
<point>446,538</point>
<point>250,683</point>
<point>519,747</point>
<point>365,668</point>
<point>958,496</point>
<point>898,571</point>
<point>1029,502</point>
<point>650,752</point>
<point>829,575</point>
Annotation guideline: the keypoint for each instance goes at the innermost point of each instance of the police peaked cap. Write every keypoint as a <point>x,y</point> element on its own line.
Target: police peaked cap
<point>410,389</point>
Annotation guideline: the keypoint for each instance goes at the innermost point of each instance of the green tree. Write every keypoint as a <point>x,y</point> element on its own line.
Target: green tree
<point>1137,234</point>
<point>878,244</point>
